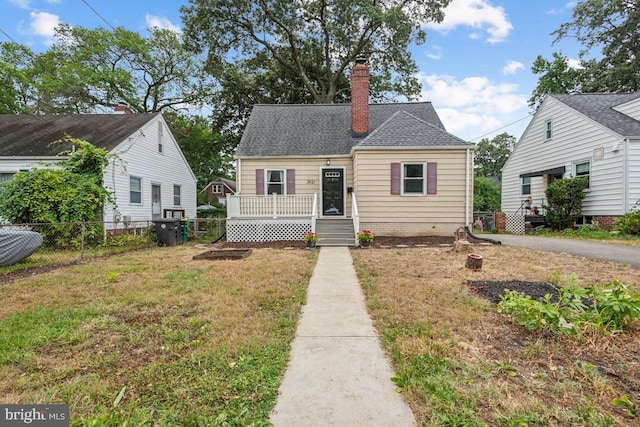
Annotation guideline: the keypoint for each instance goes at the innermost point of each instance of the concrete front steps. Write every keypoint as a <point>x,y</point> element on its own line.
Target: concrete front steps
<point>335,232</point>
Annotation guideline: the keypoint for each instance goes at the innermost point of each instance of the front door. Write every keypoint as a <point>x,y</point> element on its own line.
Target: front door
<point>332,192</point>
<point>156,196</point>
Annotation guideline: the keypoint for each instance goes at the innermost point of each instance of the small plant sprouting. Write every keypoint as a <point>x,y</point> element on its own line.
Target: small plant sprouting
<point>112,277</point>
<point>631,409</point>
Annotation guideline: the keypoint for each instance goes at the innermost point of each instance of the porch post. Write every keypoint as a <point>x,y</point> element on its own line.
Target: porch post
<point>275,207</point>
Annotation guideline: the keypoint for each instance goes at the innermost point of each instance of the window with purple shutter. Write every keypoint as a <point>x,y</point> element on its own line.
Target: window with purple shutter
<point>432,178</point>
<point>260,182</point>
<point>396,178</point>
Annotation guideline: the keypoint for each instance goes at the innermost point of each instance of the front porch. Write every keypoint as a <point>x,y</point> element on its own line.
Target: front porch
<point>278,217</point>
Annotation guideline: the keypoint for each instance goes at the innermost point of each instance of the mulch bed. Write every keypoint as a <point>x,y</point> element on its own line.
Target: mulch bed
<point>378,242</point>
<point>493,290</point>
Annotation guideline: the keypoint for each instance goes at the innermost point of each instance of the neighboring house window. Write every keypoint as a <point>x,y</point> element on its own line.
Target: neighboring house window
<point>583,169</point>
<point>216,188</point>
<point>548,130</point>
<point>160,137</point>
<point>275,182</point>
<point>525,188</point>
<point>176,195</point>
<point>135,190</point>
<point>413,178</point>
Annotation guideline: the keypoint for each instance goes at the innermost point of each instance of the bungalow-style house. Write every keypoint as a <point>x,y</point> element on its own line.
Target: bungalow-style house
<point>217,190</point>
<point>149,177</point>
<point>339,168</point>
<point>592,135</point>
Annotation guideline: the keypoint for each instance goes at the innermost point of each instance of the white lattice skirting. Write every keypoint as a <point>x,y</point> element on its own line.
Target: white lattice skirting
<point>267,230</point>
<point>515,224</point>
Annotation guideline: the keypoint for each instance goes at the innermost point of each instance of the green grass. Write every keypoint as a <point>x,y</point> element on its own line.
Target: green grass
<point>155,338</point>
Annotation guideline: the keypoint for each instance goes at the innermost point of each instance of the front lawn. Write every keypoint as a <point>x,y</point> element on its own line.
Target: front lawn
<point>154,337</point>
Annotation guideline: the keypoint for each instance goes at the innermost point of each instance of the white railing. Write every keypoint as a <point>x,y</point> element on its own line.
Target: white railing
<point>314,214</point>
<point>272,206</point>
<point>355,215</point>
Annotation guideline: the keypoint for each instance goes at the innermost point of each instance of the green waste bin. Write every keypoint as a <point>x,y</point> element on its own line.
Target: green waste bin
<point>167,230</point>
<point>184,230</point>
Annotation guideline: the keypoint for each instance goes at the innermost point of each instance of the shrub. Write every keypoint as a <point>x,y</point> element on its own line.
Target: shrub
<point>630,222</point>
<point>564,198</point>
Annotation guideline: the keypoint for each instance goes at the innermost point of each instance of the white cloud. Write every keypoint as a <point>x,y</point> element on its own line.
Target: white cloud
<point>435,53</point>
<point>24,4</point>
<point>43,24</point>
<point>161,23</point>
<point>574,63</point>
<point>512,67</point>
<point>474,106</point>
<point>478,14</point>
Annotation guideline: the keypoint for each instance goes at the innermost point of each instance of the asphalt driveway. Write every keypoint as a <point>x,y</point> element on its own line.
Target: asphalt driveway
<point>590,249</point>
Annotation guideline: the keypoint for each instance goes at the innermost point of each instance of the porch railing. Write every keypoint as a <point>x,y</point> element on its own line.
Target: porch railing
<point>271,206</point>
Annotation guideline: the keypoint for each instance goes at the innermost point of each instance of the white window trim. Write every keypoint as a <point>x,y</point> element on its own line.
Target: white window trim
<point>139,191</point>
<point>575,171</point>
<point>284,181</point>
<point>179,187</point>
<point>522,185</point>
<point>218,187</point>
<point>424,179</point>
<point>548,129</point>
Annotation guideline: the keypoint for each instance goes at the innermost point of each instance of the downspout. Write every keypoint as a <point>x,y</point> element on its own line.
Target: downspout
<point>467,189</point>
<point>625,176</point>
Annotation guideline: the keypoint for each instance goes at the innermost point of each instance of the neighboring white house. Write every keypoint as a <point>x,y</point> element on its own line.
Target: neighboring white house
<point>593,135</point>
<point>149,178</point>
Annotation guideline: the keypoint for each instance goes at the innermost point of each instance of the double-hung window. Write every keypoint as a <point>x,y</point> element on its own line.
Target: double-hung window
<point>548,130</point>
<point>583,169</point>
<point>414,178</point>
<point>176,195</point>
<point>525,186</point>
<point>135,190</point>
<point>160,138</point>
<point>275,181</point>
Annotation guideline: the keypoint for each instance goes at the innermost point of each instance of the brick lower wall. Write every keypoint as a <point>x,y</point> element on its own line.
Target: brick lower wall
<point>605,221</point>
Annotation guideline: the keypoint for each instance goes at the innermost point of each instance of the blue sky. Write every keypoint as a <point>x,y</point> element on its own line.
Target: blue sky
<point>475,66</point>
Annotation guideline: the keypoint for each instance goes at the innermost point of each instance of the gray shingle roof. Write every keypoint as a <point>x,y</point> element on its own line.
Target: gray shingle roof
<point>35,136</point>
<point>325,129</point>
<point>599,107</point>
<point>406,130</point>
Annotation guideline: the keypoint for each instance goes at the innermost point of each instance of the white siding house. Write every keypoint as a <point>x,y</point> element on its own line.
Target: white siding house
<point>149,177</point>
<point>597,135</point>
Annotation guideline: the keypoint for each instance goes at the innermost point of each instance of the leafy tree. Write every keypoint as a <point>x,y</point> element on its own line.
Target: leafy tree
<point>607,30</point>
<point>557,76</point>
<point>491,155</point>
<point>486,195</point>
<point>87,69</point>
<point>613,27</point>
<point>207,152</point>
<point>564,199</point>
<point>314,41</point>
<point>72,194</point>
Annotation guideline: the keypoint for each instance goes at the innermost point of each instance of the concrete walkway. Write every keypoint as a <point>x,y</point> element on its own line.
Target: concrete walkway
<point>338,374</point>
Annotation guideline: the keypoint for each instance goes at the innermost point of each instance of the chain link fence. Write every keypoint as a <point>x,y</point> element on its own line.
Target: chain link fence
<point>64,243</point>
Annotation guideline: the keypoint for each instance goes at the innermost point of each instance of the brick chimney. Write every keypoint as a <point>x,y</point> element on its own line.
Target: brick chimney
<point>360,99</point>
<point>122,109</point>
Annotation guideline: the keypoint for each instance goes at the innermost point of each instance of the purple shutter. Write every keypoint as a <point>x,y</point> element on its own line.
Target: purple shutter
<point>432,178</point>
<point>291,181</point>
<point>260,182</point>
<point>396,177</point>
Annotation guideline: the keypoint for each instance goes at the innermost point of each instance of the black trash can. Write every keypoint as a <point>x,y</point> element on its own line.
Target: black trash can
<point>167,230</point>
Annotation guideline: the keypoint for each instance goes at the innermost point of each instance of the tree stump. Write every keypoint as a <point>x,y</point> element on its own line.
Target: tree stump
<point>474,262</point>
<point>461,246</point>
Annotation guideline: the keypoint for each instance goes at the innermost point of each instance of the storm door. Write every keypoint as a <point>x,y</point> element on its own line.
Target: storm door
<point>332,192</point>
<point>156,196</point>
